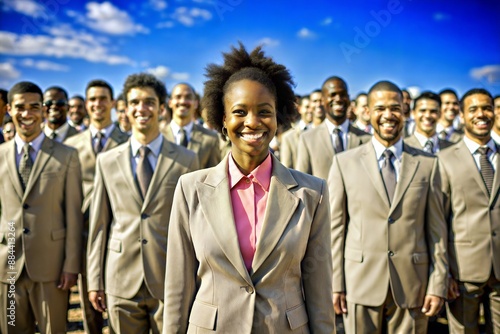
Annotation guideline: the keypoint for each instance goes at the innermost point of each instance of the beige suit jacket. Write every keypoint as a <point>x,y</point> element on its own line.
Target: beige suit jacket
<point>203,142</point>
<point>473,216</point>
<point>288,147</point>
<point>375,244</point>
<point>315,151</point>
<point>128,235</point>
<point>83,143</point>
<point>413,141</point>
<point>208,288</point>
<point>44,222</point>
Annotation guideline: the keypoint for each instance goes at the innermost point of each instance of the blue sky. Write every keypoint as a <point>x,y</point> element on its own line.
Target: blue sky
<point>420,44</point>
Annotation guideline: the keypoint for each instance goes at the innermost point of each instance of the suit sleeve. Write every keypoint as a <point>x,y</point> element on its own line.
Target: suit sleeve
<point>286,152</point>
<point>100,218</point>
<point>303,157</point>
<point>74,217</point>
<point>436,237</point>
<point>182,265</point>
<point>338,213</point>
<point>317,279</point>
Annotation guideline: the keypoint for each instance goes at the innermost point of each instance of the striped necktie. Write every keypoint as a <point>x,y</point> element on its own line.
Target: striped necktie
<point>487,171</point>
<point>25,165</point>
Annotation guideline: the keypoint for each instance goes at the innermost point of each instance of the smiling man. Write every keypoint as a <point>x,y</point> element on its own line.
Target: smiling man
<point>130,212</point>
<point>41,222</point>
<point>399,239</point>
<point>426,113</point>
<point>317,146</point>
<point>55,100</point>
<point>469,171</point>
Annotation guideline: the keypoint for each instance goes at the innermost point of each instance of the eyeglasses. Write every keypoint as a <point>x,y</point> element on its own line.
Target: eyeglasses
<point>58,103</point>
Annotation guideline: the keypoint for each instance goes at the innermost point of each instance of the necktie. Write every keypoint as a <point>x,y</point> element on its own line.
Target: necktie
<point>144,171</point>
<point>25,165</point>
<point>98,143</point>
<point>487,171</point>
<point>337,140</point>
<point>443,134</point>
<point>183,138</point>
<point>389,174</point>
<point>53,135</point>
<point>429,146</point>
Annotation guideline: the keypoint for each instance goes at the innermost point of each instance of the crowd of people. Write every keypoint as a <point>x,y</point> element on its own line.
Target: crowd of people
<point>249,209</point>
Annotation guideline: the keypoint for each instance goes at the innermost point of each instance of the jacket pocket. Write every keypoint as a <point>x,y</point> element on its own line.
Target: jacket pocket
<point>58,234</point>
<point>355,255</point>
<point>203,315</point>
<point>297,316</point>
<point>115,245</point>
<point>420,258</point>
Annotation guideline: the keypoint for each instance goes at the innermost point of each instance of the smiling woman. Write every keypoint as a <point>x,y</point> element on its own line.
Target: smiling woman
<point>265,267</point>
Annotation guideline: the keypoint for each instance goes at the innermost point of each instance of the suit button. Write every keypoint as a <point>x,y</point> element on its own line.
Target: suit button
<point>144,241</point>
<point>26,230</point>
<point>391,253</point>
<point>26,206</point>
<point>390,220</point>
<point>249,289</point>
<point>494,234</point>
<point>144,216</point>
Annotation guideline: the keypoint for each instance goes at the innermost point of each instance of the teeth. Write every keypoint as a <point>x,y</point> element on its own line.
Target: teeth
<point>388,125</point>
<point>27,122</point>
<point>141,118</point>
<point>481,123</point>
<point>252,136</point>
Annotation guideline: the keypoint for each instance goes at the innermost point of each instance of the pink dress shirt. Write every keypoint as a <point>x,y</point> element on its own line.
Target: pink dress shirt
<point>249,199</point>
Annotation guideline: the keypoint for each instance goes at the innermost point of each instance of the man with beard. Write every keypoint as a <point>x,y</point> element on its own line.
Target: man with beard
<point>290,139</point>
<point>316,107</point>
<point>317,147</point>
<point>57,128</point>
<point>471,185</point>
<point>449,112</point>
<point>77,112</point>
<point>426,113</point>
<point>362,113</point>
<point>409,126</point>
<point>389,257</point>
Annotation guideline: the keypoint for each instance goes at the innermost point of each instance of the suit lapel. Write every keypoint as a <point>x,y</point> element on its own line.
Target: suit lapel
<point>167,132</point>
<point>43,156</point>
<point>10,158</point>
<point>352,138</point>
<point>469,164</point>
<point>215,201</point>
<point>196,140</point>
<point>123,162</point>
<point>115,138</point>
<point>165,160</point>
<point>370,164</point>
<point>409,165</point>
<point>323,140</point>
<point>281,205</point>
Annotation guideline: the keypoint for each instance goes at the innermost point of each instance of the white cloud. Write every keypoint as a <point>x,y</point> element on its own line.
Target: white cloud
<point>107,18</point>
<point>267,41</point>
<point>188,17</point>
<point>167,24</point>
<point>414,91</point>
<point>8,72</point>
<point>44,65</point>
<point>163,73</point>
<point>305,33</point>
<point>27,7</point>
<point>489,72</point>
<point>60,46</point>
<point>158,4</point>
<point>327,21</point>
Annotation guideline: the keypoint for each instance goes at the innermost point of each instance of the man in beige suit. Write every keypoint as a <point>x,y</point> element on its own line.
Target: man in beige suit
<point>183,131</point>
<point>99,103</point>
<point>129,214</point>
<point>41,221</point>
<point>471,182</point>
<point>426,112</point>
<point>389,257</point>
<point>318,146</point>
<point>290,139</point>
<point>450,110</point>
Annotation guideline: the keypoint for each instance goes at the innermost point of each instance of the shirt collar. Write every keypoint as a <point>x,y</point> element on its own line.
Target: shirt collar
<point>59,131</point>
<point>106,131</point>
<point>440,128</point>
<point>423,139</point>
<point>473,146</point>
<point>176,128</point>
<point>36,143</point>
<point>302,125</point>
<point>344,127</point>
<point>261,174</point>
<point>154,145</point>
<point>397,148</point>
